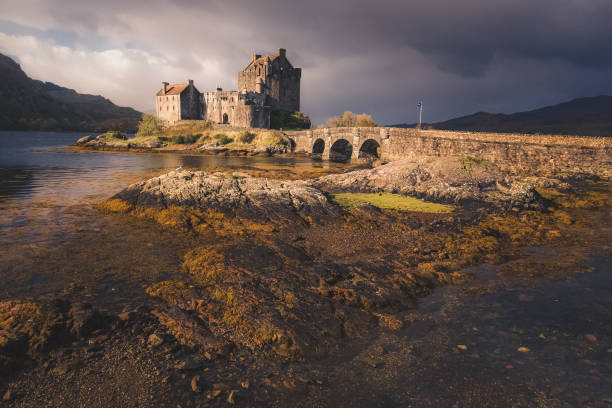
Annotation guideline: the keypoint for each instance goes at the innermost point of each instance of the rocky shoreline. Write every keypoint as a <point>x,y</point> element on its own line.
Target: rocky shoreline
<point>100,143</point>
<point>279,281</point>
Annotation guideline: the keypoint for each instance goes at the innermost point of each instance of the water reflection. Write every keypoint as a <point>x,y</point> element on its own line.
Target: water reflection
<point>36,166</point>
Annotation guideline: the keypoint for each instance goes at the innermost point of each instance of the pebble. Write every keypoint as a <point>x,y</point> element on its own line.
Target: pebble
<point>523,349</point>
<point>124,316</point>
<point>230,397</point>
<point>590,338</point>
<point>462,347</point>
<point>188,364</point>
<point>7,396</point>
<point>155,340</point>
<point>195,384</point>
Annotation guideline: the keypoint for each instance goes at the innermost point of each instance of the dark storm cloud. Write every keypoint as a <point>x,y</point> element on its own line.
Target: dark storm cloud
<point>380,57</point>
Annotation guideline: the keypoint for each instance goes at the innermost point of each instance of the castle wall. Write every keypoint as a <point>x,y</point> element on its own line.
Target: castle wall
<point>268,83</point>
<point>242,110</point>
<point>281,81</point>
<point>284,89</point>
<point>192,104</point>
<point>169,108</point>
<point>221,103</point>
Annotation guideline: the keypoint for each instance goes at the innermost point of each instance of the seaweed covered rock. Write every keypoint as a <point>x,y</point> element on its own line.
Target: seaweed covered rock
<point>243,196</point>
<point>447,179</point>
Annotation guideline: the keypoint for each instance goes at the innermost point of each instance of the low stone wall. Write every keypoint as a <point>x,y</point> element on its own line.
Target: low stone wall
<point>546,154</point>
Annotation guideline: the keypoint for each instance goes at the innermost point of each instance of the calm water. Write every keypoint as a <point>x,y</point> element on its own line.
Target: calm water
<point>36,166</point>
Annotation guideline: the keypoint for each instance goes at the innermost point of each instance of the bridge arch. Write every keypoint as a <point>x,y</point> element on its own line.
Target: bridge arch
<point>318,147</point>
<point>341,151</point>
<point>370,149</point>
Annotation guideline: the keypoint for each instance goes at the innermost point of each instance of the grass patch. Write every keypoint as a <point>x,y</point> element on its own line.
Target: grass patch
<point>390,201</point>
<point>114,135</point>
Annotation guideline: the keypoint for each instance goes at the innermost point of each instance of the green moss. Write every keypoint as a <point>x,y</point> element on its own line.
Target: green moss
<point>469,162</point>
<point>391,201</point>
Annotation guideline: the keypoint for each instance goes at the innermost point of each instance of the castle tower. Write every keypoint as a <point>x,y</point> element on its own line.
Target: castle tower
<point>276,78</point>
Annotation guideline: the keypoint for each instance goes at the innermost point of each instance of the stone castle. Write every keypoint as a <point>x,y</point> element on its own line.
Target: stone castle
<point>267,84</point>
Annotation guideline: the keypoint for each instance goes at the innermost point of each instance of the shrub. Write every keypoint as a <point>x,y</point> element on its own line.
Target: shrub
<point>185,139</point>
<point>179,139</point>
<point>148,126</point>
<point>246,137</point>
<point>349,119</point>
<point>272,138</point>
<point>223,139</point>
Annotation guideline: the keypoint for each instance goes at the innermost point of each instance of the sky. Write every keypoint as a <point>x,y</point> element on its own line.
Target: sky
<point>378,57</point>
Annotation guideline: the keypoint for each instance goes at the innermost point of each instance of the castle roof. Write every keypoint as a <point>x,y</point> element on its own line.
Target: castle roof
<point>173,89</point>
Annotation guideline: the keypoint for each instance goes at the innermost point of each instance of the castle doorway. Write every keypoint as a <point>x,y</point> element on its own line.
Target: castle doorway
<point>341,151</point>
<point>370,150</point>
<point>225,118</point>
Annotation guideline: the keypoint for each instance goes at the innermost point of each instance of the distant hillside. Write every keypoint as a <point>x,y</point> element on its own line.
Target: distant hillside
<point>583,117</point>
<point>27,104</point>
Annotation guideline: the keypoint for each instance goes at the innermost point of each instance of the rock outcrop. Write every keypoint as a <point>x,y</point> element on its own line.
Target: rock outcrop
<point>243,196</point>
<point>451,179</point>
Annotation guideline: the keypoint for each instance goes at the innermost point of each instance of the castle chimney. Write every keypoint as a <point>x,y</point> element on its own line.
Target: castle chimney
<point>164,88</point>
<point>259,86</point>
<point>190,82</point>
<point>255,57</point>
<point>282,52</point>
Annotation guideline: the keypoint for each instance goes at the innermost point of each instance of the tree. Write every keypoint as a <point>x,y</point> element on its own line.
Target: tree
<point>281,119</point>
<point>148,126</point>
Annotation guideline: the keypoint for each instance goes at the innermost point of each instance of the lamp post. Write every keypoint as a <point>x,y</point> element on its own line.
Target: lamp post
<point>420,108</point>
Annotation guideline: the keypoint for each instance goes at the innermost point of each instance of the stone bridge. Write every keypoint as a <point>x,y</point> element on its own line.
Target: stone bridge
<point>546,153</point>
<point>342,143</point>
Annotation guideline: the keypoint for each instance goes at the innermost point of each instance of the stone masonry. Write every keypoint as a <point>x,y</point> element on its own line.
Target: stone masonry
<point>266,84</point>
<point>175,102</point>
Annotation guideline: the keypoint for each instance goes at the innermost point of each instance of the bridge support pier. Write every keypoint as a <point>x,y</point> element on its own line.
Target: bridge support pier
<point>327,138</point>
<point>355,153</point>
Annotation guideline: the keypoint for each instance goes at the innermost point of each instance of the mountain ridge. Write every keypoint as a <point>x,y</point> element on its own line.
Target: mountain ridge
<point>30,104</point>
<point>586,116</point>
